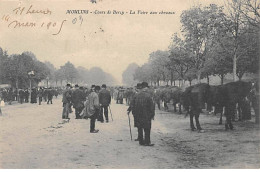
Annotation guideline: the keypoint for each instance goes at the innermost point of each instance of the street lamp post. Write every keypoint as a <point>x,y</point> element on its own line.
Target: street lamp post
<point>47,81</point>
<point>30,77</point>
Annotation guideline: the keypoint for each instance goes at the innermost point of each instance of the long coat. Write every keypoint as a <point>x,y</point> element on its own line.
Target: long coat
<point>143,109</point>
<point>104,97</point>
<point>66,98</point>
<point>93,104</point>
<point>78,98</point>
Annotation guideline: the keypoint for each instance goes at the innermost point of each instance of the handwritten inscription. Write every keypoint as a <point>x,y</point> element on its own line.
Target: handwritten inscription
<point>31,10</point>
<point>15,23</point>
<point>19,17</point>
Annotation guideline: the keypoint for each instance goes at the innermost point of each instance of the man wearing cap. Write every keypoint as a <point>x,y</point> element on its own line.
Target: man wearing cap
<point>93,107</point>
<point>66,99</point>
<point>104,100</point>
<point>143,110</point>
<point>77,101</point>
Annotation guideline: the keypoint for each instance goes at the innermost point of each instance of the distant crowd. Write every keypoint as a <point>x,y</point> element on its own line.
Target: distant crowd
<point>39,94</point>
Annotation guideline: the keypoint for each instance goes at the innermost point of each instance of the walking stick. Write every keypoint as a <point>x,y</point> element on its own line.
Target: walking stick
<point>110,113</point>
<point>130,126</point>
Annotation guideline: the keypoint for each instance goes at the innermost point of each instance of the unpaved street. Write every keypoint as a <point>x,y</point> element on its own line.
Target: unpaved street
<point>33,136</point>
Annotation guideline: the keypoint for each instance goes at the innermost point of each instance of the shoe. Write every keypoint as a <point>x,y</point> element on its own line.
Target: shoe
<point>106,121</point>
<point>141,143</point>
<point>148,144</point>
<point>94,131</point>
<point>102,121</point>
<point>137,139</point>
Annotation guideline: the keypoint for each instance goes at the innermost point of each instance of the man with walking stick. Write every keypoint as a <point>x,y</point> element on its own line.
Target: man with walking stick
<point>130,108</point>
<point>143,110</point>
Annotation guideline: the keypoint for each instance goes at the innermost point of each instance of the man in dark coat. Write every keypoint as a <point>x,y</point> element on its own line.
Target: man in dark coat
<point>66,100</point>
<point>104,100</point>
<point>50,95</point>
<point>45,94</point>
<point>26,95</point>
<point>143,110</point>
<point>21,96</point>
<point>40,94</point>
<point>34,96</point>
<point>130,108</point>
<point>10,95</point>
<point>77,101</point>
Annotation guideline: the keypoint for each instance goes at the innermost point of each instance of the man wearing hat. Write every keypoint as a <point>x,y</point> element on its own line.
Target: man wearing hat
<point>143,110</point>
<point>104,100</point>
<point>93,107</point>
<point>66,100</point>
<point>77,101</point>
<point>49,95</point>
<point>131,106</point>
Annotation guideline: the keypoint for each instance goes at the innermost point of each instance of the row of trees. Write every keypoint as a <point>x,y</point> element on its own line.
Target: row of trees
<point>16,70</point>
<point>213,41</point>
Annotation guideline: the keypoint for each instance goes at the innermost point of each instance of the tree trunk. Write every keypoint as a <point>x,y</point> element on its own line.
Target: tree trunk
<point>235,67</point>
<point>174,83</point>
<point>207,78</point>
<point>158,82</point>
<point>198,77</point>
<point>16,83</point>
<point>171,77</point>
<point>190,82</point>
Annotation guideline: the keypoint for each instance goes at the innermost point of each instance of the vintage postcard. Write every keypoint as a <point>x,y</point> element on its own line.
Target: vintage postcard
<point>129,84</point>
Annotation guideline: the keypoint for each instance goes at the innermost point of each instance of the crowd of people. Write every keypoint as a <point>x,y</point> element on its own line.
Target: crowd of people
<point>93,104</point>
<point>9,95</point>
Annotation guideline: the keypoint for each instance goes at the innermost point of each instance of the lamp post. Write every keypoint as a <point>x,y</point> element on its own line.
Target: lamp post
<point>47,81</point>
<point>30,77</point>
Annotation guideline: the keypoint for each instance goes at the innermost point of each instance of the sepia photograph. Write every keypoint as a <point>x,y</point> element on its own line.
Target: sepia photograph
<point>129,84</point>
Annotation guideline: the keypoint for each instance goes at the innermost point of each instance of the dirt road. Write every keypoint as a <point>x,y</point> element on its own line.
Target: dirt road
<point>33,136</point>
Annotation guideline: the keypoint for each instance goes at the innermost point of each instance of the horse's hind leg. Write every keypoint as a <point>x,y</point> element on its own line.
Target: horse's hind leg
<point>197,114</point>
<point>191,122</point>
<point>174,106</point>
<point>165,105</point>
<point>220,119</point>
<point>180,109</point>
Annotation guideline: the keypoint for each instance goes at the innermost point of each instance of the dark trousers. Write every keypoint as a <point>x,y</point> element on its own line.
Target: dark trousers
<point>146,138</point>
<point>65,112</point>
<point>77,112</point>
<point>21,100</point>
<point>49,100</point>
<point>26,99</point>
<point>93,121</point>
<point>40,100</point>
<point>101,118</point>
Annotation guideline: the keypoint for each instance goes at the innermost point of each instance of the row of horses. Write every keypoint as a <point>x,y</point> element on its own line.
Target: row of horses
<point>225,98</point>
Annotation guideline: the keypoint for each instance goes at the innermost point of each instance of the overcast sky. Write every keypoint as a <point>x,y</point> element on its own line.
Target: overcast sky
<point>111,42</point>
